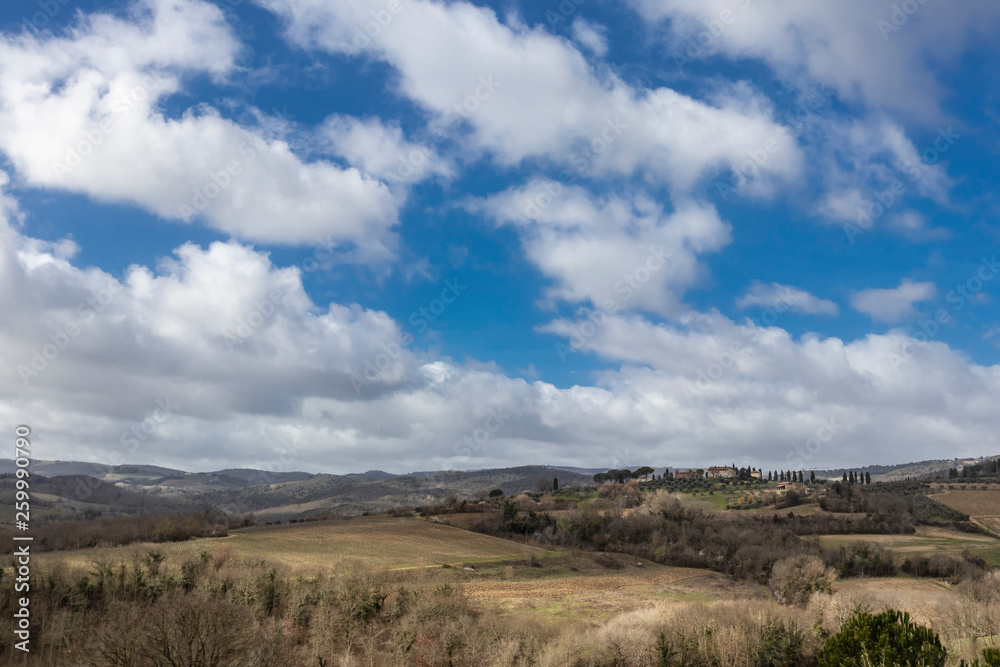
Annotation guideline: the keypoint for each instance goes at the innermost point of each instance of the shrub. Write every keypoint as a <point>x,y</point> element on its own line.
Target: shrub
<point>795,579</point>
<point>889,638</point>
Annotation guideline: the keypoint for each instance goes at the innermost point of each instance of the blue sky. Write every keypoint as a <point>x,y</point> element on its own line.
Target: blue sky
<point>667,232</point>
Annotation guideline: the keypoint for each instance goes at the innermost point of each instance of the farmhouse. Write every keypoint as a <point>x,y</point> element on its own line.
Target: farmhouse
<point>756,474</point>
<point>685,474</point>
<point>785,487</point>
<point>722,471</point>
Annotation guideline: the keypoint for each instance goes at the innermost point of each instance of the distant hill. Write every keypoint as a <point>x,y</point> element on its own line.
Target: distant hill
<point>241,490</point>
<point>99,470</point>
<point>899,471</point>
<point>354,493</point>
<point>248,474</point>
<point>583,471</point>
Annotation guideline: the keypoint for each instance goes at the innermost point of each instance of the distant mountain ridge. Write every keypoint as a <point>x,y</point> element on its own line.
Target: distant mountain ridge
<point>299,494</point>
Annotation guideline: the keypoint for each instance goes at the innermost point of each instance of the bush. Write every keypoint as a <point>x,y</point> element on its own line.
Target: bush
<point>795,579</point>
<point>889,638</point>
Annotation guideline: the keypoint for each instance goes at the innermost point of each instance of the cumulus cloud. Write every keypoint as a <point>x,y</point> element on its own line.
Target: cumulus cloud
<point>869,167</point>
<point>216,357</point>
<point>618,253</point>
<point>894,304</point>
<point>523,93</point>
<point>877,54</point>
<point>783,297</point>
<point>381,150</point>
<point>82,112</point>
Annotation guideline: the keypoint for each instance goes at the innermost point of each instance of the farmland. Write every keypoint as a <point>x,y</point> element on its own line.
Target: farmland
<point>382,542</point>
<point>981,504</point>
<point>927,541</point>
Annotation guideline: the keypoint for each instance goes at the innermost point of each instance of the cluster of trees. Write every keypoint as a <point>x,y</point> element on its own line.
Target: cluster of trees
<point>620,476</point>
<point>114,531</point>
<point>671,533</point>
<point>851,477</point>
<point>790,476</point>
<point>989,468</point>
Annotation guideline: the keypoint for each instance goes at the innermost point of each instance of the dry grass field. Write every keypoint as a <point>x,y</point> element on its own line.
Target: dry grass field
<point>381,542</point>
<point>927,600</point>
<point>651,576</point>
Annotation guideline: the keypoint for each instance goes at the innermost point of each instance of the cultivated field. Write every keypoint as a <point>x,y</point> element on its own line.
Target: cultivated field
<point>927,541</point>
<point>982,505</point>
<point>382,542</point>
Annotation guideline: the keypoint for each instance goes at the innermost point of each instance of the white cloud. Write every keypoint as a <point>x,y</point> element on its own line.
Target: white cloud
<point>870,167</point>
<point>81,113</point>
<point>381,150</point>
<point>913,226</point>
<point>894,64</point>
<point>783,297</point>
<point>616,252</point>
<point>111,350</point>
<point>526,94</point>
<point>895,304</point>
<point>591,36</point>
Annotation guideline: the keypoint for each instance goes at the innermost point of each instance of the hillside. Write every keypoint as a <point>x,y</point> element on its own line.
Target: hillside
<point>899,471</point>
<point>144,488</point>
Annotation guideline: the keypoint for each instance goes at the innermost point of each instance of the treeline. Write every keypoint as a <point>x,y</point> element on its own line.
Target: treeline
<point>901,502</point>
<point>122,530</point>
<point>744,546</point>
<point>989,468</point>
<point>665,531</point>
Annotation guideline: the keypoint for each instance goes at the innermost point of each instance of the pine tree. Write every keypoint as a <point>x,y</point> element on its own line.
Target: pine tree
<point>868,478</point>
<point>845,477</point>
<point>812,475</point>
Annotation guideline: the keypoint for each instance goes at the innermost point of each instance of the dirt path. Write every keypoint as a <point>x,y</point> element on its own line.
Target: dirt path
<point>576,585</point>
